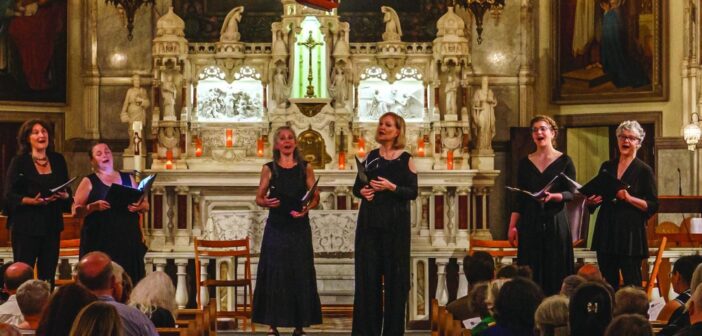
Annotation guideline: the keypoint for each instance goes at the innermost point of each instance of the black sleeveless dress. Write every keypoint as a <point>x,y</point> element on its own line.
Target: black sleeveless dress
<point>286,288</point>
<point>114,231</point>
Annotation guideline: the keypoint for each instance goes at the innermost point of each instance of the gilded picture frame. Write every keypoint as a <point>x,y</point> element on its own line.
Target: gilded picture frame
<point>609,51</point>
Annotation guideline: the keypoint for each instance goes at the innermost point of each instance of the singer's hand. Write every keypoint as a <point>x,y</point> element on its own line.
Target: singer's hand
<point>368,193</point>
<point>99,205</point>
<point>593,200</point>
<point>299,214</point>
<point>555,197</point>
<point>623,195</point>
<point>271,202</point>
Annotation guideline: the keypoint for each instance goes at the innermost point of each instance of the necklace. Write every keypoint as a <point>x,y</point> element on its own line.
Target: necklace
<point>41,161</point>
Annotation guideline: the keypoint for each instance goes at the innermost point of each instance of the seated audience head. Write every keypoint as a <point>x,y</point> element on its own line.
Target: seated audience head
<point>16,274</point>
<point>3,295</point>
<point>631,300</point>
<point>629,325</point>
<point>477,298</point>
<point>493,291</point>
<point>570,283</point>
<point>9,330</point>
<point>516,304</point>
<point>551,317</point>
<point>590,309</point>
<point>63,307</point>
<point>696,279</point>
<point>153,291</point>
<point>127,287</point>
<point>590,272</point>
<point>695,305</point>
<point>683,268</point>
<point>32,297</point>
<point>118,290</point>
<point>511,271</point>
<point>97,318</point>
<point>478,267</point>
<point>95,272</point>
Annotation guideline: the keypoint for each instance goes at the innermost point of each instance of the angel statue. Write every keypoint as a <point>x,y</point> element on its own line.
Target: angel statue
<point>393,31</point>
<point>230,27</point>
<point>483,116</point>
<point>134,108</point>
<point>169,139</point>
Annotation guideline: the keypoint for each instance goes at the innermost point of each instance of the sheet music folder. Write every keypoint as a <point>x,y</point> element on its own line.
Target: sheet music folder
<point>45,192</point>
<point>120,196</point>
<point>309,195</point>
<point>539,195</point>
<point>361,171</point>
<point>604,184</point>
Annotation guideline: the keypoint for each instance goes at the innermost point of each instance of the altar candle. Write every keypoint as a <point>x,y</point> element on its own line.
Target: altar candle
<point>420,146</point>
<point>198,147</point>
<point>342,160</point>
<point>449,160</point>
<point>361,147</point>
<point>229,137</point>
<point>259,147</point>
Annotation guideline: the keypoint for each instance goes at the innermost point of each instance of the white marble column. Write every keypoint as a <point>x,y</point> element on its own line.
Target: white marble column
<point>160,264</point>
<point>204,293</point>
<point>462,281</point>
<point>462,234</point>
<point>441,289</point>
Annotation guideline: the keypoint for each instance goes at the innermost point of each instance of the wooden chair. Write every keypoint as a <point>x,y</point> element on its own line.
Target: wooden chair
<point>652,279</point>
<point>434,317</point>
<point>68,248</point>
<point>498,249</point>
<point>231,249</point>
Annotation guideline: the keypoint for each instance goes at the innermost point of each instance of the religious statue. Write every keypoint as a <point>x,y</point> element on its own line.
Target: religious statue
<point>393,31</point>
<point>134,109</point>
<point>450,90</point>
<point>280,90</point>
<point>451,139</point>
<point>280,47</point>
<point>341,46</point>
<point>376,107</point>
<point>339,86</point>
<point>230,26</point>
<point>169,139</point>
<point>483,116</point>
<point>168,95</point>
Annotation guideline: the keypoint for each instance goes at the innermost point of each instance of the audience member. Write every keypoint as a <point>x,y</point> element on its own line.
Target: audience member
<point>127,287</point>
<point>8,330</point>
<point>32,297</point>
<point>118,290</point>
<point>62,309</point>
<point>631,300</point>
<point>15,275</point>
<point>551,317</point>
<point>479,267</point>
<point>154,296</point>
<point>514,308</point>
<point>493,291</point>
<point>3,295</point>
<point>682,320</point>
<point>570,283</point>
<point>590,309</point>
<point>512,270</point>
<point>95,271</point>
<point>680,279</point>
<point>590,272</point>
<point>629,325</point>
<point>695,313</point>
<point>98,318</point>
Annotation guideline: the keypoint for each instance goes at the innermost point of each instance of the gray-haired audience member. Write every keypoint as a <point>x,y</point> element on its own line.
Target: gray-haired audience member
<point>631,300</point>
<point>32,297</point>
<point>551,317</point>
<point>15,275</point>
<point>95,272</point>
<point>154,295</point>
<point>570,283</point>
<point>629,325</point>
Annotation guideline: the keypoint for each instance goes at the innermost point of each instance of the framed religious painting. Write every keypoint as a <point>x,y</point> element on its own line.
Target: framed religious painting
<point>33,49</point>
<point>609,51</point>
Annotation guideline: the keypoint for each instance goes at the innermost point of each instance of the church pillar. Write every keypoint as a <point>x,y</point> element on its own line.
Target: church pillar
<point>91,75</point>
<point>437,216</point>
<point>160,264</point>
<point>157,210</point>
<point>526,69</point>
<point>148,265</point>
<point>423,214</point>
<point>441,289</point>
<point>451,218</point>
<point>204,293</point>
<point>462,281</point>
<point>184,222</point>
<point>463,211</point>
<point>197,211</point>
<point>480,211</point>
<point>181,287</point>
<point>169,228</point>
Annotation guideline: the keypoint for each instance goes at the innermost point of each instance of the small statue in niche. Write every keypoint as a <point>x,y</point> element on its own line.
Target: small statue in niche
<point>393,31</point>
<point>339,86</point>
<point>451,139</point>
<point>168,93</point>
<point>281,90</point>
<point>280,47</point>
<point>230,26</point>
<point>134,109</point>
<point>169,139</point>
<point>341,46</point>
<point>450,89</point>
<point>483,116</point>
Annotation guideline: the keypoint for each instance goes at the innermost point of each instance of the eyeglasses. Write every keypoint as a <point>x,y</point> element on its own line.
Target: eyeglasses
<point>623,138</point>
<point>542,129</point>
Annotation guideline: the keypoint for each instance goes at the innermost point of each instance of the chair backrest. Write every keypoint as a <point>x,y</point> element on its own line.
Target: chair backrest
<point>223,248</point>
<point>434,314</point>
<point>69,248</point>
<point>496,248</point>
<point>656,267</point>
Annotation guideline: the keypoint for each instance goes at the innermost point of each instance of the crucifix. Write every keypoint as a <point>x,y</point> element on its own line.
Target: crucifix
<point>310,43</point>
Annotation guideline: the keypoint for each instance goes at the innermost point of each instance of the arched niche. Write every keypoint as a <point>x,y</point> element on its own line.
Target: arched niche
<point>404,95</point>
<point>238,101</point>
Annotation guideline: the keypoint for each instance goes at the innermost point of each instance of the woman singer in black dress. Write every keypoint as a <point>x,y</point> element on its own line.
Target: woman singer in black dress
<point>286,285</point>
<point>115,231</point>
<point>382,247</point>
<point>35,217</point>
<point>541,226</point>
<point>620,229</point>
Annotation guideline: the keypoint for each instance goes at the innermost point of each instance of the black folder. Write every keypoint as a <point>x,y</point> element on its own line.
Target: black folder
<point>604,184</point>
<point>120,196</point>
<point>361,167</point>
<point>309,195</point>
<point>538,195</point>
<point>25,181</point>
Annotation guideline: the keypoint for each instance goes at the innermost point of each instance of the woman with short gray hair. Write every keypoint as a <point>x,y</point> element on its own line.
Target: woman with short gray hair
<point>620,230</point>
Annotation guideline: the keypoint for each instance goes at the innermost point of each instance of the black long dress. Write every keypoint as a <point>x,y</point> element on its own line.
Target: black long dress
<point>382,249</point>
<point>114,231</point>
<point>545,242</point>
<point>286,285</point>
<point>620,229</point>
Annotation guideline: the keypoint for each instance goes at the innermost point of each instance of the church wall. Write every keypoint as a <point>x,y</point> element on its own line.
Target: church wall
<point>117,56</point>
<point>498,54</point>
